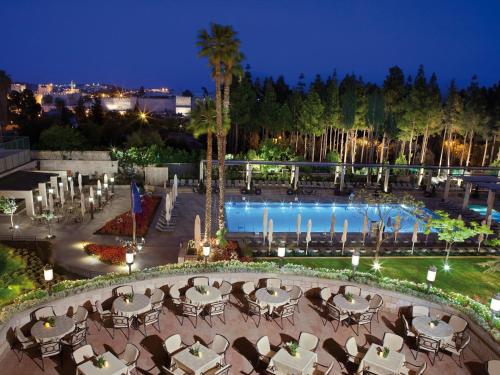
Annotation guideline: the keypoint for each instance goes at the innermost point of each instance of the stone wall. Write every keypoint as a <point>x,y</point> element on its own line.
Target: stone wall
<point>155,176</point>
<point>86,162</point>
<point>482,344</point>
<point>71,155</point>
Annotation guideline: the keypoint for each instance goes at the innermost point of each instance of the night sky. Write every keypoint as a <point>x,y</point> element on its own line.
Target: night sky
<point>152,42</point>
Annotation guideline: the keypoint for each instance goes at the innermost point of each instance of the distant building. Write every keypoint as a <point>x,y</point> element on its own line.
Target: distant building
<point>19,87</point>
<point>171,105</point>
<point>45,89</point>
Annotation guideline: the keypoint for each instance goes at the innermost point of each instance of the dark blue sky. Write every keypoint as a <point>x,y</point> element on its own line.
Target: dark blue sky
<point>151,42</point>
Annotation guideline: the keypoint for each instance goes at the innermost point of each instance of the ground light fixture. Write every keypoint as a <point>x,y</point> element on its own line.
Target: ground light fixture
<point>112,180</point>
<point>431,276</point>
<point>495,305</point>
<point>129,259</point>
<point>48,275</point>
<point>206,252</point>
<point>354,261</point>
<point>281,254</point>
<point>39,200</point>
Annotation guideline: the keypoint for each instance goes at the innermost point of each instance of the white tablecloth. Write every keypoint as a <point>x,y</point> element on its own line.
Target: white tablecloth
<point>115,366</point>
<point>443,331</point>
<point>197,365</point>
<point>140,304</point>
<point>63,325</point>
<point>360,304</point>
<point>302,364</point>
<point>198,299</point>
<point>264,298</point>
<point>380,365</point>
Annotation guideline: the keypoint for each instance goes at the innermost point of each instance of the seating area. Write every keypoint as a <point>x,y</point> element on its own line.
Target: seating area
<point>271,326</point>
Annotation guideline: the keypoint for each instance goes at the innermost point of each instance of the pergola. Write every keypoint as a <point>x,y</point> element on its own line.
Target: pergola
<point>489,183</point>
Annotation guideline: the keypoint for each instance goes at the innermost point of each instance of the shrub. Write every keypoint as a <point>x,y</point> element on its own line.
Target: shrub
<point>106,253</point>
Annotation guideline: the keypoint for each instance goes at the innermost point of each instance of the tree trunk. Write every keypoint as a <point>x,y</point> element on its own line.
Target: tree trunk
<point>485,152</point>
<point>471,139</point>
<point>463,148</point>
<point>442,149</point>
<point>492,152</point>
<point>313,146</point>
<point>208,190</point>
<point>448,155</point>
<point>363,147</point>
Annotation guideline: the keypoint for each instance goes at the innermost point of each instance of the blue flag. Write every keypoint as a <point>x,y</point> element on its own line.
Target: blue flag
<point>135,198</point>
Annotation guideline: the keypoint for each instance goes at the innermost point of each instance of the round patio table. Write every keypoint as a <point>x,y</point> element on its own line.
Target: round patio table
<point>140,304</point>
<point>272,298</point>
<point>62,326</point>
<point>360,304</point>
<point>442,331</point>
<point>196,298</point>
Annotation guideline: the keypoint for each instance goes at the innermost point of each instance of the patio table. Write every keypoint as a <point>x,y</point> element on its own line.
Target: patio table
<point>62,326</point>
<point>302,364</point>
<point>265,298</point>
<point>140,304</point>
<point>199,299</point>
<point>115,366</point>
<point>373,362</point>
<point>196,365</point>
<point>442,331</point>
<point>360,304</point>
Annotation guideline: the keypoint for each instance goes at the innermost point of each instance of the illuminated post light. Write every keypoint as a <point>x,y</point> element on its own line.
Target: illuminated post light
<point>129,259</point>
<point>431,276</point>
<point>281,254</point>
<point>99,194</point>
<point>40,208</point>
<point>206,252</point>
<point>91,202</point>
<point>355,262</point>
<point>48,276</point>
<point>105,185</point>
<point>495,305</point>
<point>112,180</point>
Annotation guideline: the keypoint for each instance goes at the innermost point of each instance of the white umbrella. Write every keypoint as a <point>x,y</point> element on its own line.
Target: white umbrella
<point>167,217</point>
<point>80,184</point>
<point>98,184</point>
<point>171,202</point>
<point>197,232</point>
<point>364,228</point>
<point>167,203</point>
<point>308,233</point>
<point>51,203</point>
<point>414,238</point>
<point>249,176</point>
<point>332,227</point>
<point>72,190</point>
<point>61,194</point>
<point>105,178</point>
<point>299,229</point>
<point>344,235</point>
<point>397,227</point>
<point>82,204</point>
<point>175,187</point>
<point>270,234</point>
<point>264,225</point>
<point>91,192</point>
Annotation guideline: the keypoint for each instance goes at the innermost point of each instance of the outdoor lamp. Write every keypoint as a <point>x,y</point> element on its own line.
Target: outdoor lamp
<point>39,200</point>
<point>51,191</point>
<point>129,259</point>
<point>48,275</point>
<point>105,184</point>
<point>70,178</point>
<point>60,184</point>
<point>206,252</point>
<point>140,244</point>
<point>281,254</point>
<point>112,180</point>
<point>495,305</point>
<point>99,194</point>
<point>355,261</point>
<point>91,202</point>
<point>431,276</point>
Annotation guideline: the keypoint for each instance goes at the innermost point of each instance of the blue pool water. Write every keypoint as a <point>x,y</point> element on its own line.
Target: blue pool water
<point>495,215</point>
<point>247,216</point>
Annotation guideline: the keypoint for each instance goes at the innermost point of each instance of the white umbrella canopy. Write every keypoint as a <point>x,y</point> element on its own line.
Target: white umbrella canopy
<point>364,228</point>
<point>91,192</point>
<point>270,234</point>
<point>397,227</point>
<point>298,229</point>
<point>82,204</point>
<point>344,235</point>
<point>80,184</point>
<point>168,216</point>
<point>249,176</point>
<point>105,178</point>
<point>332,227</point>
<point>308,233</point>
<point>197,232</point>
<point>176,182</point>
<point>98,184</point>
<point>414,237</point>
<point>51,203</point>
<point>264,225</point>
<point>167,202</point>
<point>61,195</point>
<point>72,189</point>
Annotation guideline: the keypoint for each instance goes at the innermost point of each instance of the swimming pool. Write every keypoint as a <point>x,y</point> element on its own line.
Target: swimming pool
<point>247,216</point>
<point>495,215</point>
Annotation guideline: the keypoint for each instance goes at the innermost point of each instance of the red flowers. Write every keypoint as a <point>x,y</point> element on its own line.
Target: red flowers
<point>122,224</point>
<point>107,253</point>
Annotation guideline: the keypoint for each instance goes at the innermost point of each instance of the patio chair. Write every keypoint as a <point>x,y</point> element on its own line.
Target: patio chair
<point>254,308</point>
<point>216,309</point>
<point>325,295</point>
<point>352,351</point>
<point>80,317</point>
<point>173,344</point>
<point>50,349</point>
<point>295,296</point>
<point>219,369</point>
<point>103,314</point>
<point>325,371</point>
<point>123,289</point>
<point>376,303</point>
<point>157,300</point>
<point>188,311</point>
<point>83,354</point>
<point>150,318</point>
<point>363,319</point>
<point>429,345</point>
<point>264,350</point>
<point>333,313</point>
<point>43,312</point>
<point>308,341</point>
<point>248,288</point>
<point>200,280</point>
<point>393,342</point>
<point>354,290</point>
<point>121,322</point>
<point>493,367</point>
<point>129,356</point>
<point>419,311</point>
<point>457,348</point>
<point>284,312</point>
<point>75,339</point>
<point>459,326</point>
<point>225,290</point>
<point>273,283</point>
<point>415,370</point>
<point>408,333</point>
<point>219,345</point>
<point>24,343</point>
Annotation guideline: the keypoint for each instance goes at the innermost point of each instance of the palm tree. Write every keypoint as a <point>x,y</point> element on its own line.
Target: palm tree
<point>203,122</point>
<point>4,91</point>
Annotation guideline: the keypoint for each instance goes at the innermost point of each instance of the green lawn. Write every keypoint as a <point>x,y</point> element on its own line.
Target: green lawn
<point>465,276</point>
<point>13,276</point>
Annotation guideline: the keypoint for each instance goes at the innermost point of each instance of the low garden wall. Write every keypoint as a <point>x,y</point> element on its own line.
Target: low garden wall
<point>67,295</point>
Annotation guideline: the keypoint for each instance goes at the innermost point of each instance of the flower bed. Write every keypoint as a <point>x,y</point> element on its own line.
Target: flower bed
<point>107,253</point>
<point>122,224</point>
<point>475,310</point>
